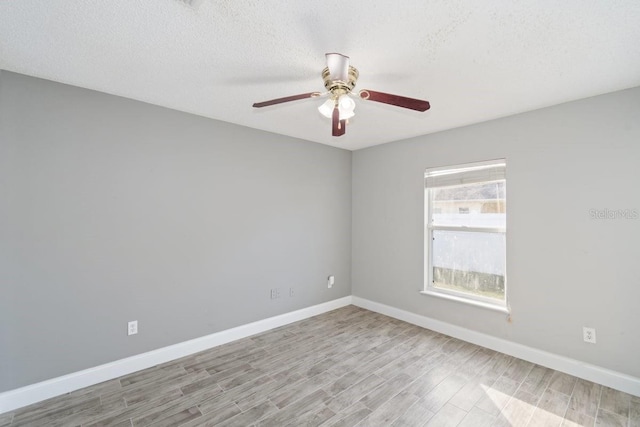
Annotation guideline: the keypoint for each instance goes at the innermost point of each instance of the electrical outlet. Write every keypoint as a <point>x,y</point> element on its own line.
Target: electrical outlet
<point>330,281</point>
<point>132,327</point>
<point>275,293</point>
<point>292,292</point>
<point>589,334</point>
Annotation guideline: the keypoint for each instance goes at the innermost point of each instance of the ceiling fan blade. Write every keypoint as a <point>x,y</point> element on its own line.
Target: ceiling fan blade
<point>397,100</point>
<point>338,127</point>
<point>338,65</point>
<point>286,99</point>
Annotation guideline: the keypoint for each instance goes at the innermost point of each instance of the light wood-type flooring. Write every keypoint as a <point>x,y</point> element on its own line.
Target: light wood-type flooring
<point>347,367</point>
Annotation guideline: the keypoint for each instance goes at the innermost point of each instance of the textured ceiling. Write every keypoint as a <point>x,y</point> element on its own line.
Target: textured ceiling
<point>474,61</point>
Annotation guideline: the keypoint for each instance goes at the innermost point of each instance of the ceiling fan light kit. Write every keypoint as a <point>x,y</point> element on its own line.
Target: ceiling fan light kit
<point>339,80</point>
<point>346,107</point>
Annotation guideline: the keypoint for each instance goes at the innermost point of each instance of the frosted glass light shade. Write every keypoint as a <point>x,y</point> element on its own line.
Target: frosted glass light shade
<point>326,109</point>
<point>346,107</point>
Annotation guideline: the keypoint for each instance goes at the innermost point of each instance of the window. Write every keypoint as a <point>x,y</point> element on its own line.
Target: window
<point>465,235</point>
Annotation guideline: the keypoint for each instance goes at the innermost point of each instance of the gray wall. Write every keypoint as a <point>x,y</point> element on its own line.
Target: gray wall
<point>114,210</point>
<point>565,270</point>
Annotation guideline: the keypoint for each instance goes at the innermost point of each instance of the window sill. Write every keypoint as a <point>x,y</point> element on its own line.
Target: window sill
<point>498,308</point>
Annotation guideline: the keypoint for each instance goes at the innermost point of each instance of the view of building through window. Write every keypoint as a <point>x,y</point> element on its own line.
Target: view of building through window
<point>466,246</point>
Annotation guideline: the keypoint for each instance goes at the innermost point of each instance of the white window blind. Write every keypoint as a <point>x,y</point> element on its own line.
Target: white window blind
<point>494,170</point>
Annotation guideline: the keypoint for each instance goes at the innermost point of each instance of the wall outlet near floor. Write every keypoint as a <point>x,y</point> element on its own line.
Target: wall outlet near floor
<point>132,327</point>
<point>330,281</point>
<point>589,334</point>
<point>275,293</point>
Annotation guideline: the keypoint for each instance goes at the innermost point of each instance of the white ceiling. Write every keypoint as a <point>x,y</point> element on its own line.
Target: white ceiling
<point>473,60</point>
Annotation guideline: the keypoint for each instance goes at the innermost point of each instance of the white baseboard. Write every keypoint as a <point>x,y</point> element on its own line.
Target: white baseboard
<point>27,395</point>
<point>609,378</point>
<point>24,396</point>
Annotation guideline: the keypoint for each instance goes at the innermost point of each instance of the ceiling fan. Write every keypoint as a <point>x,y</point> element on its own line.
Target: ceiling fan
<point>339,80</point>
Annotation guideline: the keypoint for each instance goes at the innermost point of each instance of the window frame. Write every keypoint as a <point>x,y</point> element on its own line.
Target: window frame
<point>429,228</point>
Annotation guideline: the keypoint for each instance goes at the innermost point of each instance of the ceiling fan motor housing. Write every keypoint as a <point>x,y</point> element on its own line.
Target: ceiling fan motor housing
<point>339,87</point>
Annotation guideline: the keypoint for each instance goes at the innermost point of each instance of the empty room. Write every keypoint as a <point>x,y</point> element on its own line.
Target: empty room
<point>241,213</point>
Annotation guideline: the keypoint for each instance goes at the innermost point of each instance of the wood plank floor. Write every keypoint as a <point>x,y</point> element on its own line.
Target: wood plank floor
<point>348,367</point>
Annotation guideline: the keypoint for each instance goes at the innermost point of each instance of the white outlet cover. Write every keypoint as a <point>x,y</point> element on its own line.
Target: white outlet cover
<point>132,327</point>
<point>589,335</point>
